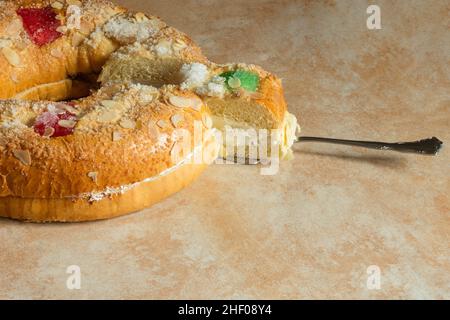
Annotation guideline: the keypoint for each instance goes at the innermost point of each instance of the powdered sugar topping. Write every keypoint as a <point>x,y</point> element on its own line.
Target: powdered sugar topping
<point>127,30</point>
<point>194,75</point>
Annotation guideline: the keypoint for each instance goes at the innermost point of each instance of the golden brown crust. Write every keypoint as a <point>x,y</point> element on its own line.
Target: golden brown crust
<point>66,56</point>
<point>72,210</point>
<point>125,134</point>
<point>270,93</point>
<point>272,97</point>
<point>61,167</point>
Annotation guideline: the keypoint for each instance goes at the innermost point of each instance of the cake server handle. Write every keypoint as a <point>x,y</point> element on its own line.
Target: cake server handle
<point>430,146</point>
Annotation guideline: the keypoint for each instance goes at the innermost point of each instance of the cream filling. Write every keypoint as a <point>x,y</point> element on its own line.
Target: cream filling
<point>285,136</point>
<point>290,129</point>
<point>110,191</point>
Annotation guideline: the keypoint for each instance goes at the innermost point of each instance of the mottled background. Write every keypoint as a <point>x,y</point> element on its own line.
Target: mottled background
<point>312,230</point>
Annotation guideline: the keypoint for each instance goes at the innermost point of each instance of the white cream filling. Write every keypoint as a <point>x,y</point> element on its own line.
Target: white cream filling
<point>290,129</point>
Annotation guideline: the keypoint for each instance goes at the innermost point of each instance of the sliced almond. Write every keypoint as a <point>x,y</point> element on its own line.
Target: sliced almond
<point>14,77</point>
<point>56,53</point>
<point>162,124</point>
<point>127,124</point>
<point>179,45</point>
<point>70,109</point>
<point>183,102</point>
<point>56,108</point>
<point>141,17</point>
<point>108,116</point>
<point>174,150</point>
<point>23,156</point>
<point>109,103</point>
<point>48,132</point>
<point>77,39</point>
<point>93,176</point>
<point>62,29</point>
<point>57,5</point>
<point>176,119</point>
<point>116,136</point>
<point>207,121</point>
<point>67,123</point>
<point>5,43</point>
<point>153,130</point>
<point>14,27</point>
<point>12,56</point>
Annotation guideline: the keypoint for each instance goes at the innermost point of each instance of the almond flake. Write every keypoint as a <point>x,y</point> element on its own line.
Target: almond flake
<point>141,17</point>
<point>73,14</point>
<point>174,150</point>
<point>179,45</point>
<point>176,119</point>
<point>62,29</point>
<point>67,123</point>
<point>14,77</point>
<point>23,156</point>
<point>70,109</point>
<point>56,108</point>
<point>93,176</point>
<point>162,124</point>
<point>108,116</point>
<point>48,132</point>
<point>127,124</point>
<point>5,43</point>
<point>12,57</point>
<point>116,136</point>
<point>109,103</point>
<point>56,53</point>
<point>183,102</point>
<point>14,27</point>
<point>57,5</point>
<point>207,121</point>
<point>153,130</point>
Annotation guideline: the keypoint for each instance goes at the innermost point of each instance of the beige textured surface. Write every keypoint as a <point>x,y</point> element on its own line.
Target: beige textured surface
<point>311,230</point>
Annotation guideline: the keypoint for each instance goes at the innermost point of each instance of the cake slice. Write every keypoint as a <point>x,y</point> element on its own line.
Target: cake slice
<point>156,61</point>
<point>244,100</point>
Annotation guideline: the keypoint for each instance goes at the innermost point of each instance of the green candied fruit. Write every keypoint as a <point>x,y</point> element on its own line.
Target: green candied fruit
<point>241,79</point>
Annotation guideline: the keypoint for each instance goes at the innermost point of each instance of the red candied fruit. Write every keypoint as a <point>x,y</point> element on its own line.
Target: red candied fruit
<point>40,24</point>
<point>48,123</point>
